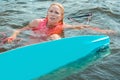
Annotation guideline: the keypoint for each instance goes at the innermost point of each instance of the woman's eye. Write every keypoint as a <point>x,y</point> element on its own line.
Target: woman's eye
<point>57,12</point>
<point>51,11</point>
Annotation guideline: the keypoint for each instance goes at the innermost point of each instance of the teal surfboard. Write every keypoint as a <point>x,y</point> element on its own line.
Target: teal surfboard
<point>29,62</point>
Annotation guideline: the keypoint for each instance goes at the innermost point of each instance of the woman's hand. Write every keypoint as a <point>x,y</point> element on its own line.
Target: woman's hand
<point>108,31</point>
<point>11,39</point>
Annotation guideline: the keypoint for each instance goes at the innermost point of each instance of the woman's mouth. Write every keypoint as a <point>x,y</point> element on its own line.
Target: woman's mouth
<point>52,18</point>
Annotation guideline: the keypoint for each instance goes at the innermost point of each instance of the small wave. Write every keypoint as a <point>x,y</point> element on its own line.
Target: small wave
<point>9,12</point>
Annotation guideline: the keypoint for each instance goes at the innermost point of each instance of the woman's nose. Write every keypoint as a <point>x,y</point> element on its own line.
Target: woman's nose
<point>53,13</point>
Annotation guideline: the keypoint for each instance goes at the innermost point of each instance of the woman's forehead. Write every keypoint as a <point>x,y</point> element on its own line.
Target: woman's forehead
<point>55,7</point>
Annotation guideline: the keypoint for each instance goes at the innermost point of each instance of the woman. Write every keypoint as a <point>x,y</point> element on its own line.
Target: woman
<point>52,26</point>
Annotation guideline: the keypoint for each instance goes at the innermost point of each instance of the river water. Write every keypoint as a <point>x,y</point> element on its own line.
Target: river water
<point>106,15</point>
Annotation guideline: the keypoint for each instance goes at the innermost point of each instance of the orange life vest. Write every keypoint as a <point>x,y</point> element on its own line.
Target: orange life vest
<point>42,29</point>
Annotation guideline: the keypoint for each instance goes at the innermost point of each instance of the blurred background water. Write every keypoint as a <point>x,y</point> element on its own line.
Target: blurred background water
<point>15,14</point>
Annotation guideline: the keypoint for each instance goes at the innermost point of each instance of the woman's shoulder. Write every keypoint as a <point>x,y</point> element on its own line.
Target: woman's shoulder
<point>35,22</point>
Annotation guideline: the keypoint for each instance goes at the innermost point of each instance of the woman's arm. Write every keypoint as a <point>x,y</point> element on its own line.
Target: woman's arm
<point>15,34</point>
<point>32,24</point>
<point>105,31</point>
<point>67,26</point>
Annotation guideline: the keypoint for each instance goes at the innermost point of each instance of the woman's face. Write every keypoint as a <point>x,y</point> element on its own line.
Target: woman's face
<point>54,14</point>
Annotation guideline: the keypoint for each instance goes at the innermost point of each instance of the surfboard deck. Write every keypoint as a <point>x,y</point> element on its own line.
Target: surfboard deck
<point>36,60</point>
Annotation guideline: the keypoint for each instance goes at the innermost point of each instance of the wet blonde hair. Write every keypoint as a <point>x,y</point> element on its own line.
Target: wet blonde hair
<point>61,8</point>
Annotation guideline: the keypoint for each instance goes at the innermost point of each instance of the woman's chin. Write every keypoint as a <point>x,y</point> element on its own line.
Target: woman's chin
<point>53,22</point>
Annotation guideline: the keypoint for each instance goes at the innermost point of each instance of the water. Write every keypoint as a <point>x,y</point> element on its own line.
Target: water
<point>79,65</point>
<point>106,14</point>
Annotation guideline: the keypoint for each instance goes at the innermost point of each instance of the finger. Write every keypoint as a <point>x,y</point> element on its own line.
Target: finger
<point>9,40</point>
